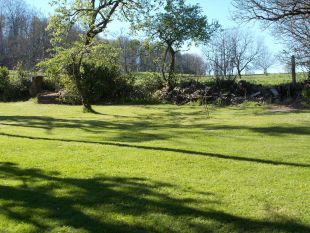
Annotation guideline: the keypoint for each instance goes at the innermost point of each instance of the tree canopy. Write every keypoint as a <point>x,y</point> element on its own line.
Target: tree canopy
<point>178,24</point>
<point>92,18</point>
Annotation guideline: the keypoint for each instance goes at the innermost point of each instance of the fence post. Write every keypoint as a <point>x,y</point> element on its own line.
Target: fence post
<point>293,70</point>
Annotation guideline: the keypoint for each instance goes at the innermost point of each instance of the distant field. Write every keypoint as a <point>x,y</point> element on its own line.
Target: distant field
<point>271,79</point>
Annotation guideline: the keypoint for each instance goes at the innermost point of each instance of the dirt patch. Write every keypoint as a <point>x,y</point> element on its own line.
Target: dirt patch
<point>281,108</point>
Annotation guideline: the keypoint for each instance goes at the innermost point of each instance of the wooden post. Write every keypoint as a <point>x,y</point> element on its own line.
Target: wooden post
<point>293,70</point>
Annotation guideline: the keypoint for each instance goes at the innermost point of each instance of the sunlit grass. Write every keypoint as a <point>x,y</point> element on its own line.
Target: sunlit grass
<point>266,80</point>
<point>153,169</point>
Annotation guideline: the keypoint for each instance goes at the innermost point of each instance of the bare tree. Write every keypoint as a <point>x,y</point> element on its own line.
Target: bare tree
<point>265,59</point>
<point>245,49</point>
<point>271,10</point>
<point>123,43</point>
<point>188,63</point>
<point>290,20</point>
<point>23,38</point>
<point>218,54</point>
<point>232,52</point>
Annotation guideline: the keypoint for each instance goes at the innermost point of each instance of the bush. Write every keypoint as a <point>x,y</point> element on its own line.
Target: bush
<point>306,93</point>
<point>145,89</point>
<point>4,83</point>
<point>13,88</point>
<point>69,94</point>
<point>103,84</point>
<point>4,76</point>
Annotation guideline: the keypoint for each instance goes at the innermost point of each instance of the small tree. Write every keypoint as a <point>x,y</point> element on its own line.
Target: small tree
<point>232,51</point>
<point>92,17</point>
<point>245,50</point>
<point>289,19</point>
<point>177,25</point>
<point>265,60</point>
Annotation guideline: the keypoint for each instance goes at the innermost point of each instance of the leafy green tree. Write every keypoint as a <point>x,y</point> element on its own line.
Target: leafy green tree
<point>178,24</point>
<point>93,18</point>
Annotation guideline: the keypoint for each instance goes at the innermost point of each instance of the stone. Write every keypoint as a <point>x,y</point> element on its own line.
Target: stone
<point>36,85</point>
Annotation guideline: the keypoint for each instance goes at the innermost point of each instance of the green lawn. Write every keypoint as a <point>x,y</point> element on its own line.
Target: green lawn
<point>158,169</point>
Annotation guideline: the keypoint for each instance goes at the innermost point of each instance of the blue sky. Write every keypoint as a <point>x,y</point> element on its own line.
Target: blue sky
<point>214,9</point>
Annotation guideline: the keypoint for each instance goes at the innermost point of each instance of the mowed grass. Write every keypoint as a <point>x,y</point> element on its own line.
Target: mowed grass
<point>158,169</point>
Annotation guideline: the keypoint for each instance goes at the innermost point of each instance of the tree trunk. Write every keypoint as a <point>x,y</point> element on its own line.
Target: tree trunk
<point>77,77</point>
<point>76,67</point>
<point>171,69</point>
<point>265,71</point>
<point>239,73</point>
<point>164,64</point>
<point>84,97</point>
<point>293,71</point>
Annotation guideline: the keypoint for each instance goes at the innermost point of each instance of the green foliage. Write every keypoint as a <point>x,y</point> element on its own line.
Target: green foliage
<point>13,88</point>
<point>145,88</point>
<point>306,93</point>
<point>21,72</point>
<point>179,24</point>
<point>4,77</point>
<point>176,25</point>
<point>4,83</point>
<point>106,85</point>
<point>101,78</point>
<point>103,84</point>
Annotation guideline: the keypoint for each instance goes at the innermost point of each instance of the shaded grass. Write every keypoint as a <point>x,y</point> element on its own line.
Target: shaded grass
<point>153,169</point>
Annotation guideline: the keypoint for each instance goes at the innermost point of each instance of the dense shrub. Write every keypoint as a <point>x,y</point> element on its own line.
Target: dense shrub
<point>19,88</point>
<point>15,87</point>
<point>145,88</point>
<point>4,76</point>
<point>306,93</point>
<point>4,83</point>
<point>108,85</point>
<point>104,84</point>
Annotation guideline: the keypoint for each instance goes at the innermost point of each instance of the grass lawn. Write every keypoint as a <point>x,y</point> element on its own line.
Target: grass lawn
<point>158,169</point>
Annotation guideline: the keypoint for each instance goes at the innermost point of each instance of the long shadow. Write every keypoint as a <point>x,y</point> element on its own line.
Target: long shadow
<point>127,131</point>
<point>48,200</point>
<point>164,149</point>
<point>133,130</point>
<point>270,130</point>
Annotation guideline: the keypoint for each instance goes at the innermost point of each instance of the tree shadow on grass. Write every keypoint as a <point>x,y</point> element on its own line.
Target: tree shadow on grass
<point>269,130</point>
<point>134,130</point>
<point>165,149</point>
<point>49,201</point>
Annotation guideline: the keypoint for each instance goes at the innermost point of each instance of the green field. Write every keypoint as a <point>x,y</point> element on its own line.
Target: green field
<point>154,169</point>
<point>273,79</point>
<point>266,80</point>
